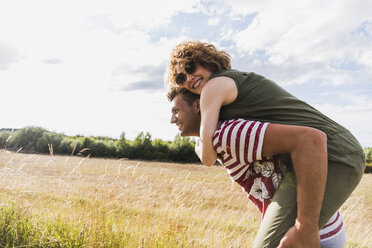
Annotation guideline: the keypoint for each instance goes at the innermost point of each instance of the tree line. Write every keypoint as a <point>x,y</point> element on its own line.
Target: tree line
<point>143,147</point>
<point>368,153</point>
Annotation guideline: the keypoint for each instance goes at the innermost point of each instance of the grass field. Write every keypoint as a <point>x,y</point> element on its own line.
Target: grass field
<point>56,201</point>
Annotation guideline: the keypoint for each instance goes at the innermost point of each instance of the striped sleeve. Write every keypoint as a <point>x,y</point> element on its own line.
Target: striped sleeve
<point>239,141</point>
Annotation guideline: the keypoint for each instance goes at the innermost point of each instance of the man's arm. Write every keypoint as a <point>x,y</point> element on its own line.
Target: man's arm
<point>308,150</point>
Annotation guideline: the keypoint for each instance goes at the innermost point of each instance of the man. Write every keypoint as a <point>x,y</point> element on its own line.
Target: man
<point>242,146</point>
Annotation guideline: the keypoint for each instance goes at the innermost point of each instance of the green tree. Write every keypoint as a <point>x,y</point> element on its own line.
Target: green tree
<point>5,138</point>
<point>47,139</point>
<point>161,150</point>
<point>368,153</point>
<point>26,138</point>
<point>183,150</point>
<point>86,146</point>
<point>142,147</point>
<point>65,146</point>
<point>123,146</point>
<point>42,144</point>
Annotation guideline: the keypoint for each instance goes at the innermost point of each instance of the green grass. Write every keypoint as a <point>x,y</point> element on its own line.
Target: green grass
<point>18,228</point>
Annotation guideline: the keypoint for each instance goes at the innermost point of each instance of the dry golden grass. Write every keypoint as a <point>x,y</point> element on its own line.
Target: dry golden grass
<point>122,203</point>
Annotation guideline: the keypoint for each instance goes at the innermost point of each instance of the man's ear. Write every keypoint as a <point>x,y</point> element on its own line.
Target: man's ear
<point>197,105</point>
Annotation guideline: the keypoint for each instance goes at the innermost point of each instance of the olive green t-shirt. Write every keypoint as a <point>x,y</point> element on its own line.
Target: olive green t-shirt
<point>263,100</point>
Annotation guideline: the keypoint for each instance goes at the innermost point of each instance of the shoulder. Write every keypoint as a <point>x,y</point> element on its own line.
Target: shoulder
<point>222,80</point>
<point>223,87</point>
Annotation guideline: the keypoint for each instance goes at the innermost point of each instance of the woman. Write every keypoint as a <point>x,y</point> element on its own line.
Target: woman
<point>228,94</point>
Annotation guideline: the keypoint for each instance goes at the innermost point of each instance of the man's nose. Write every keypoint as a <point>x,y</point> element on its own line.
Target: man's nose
<point>173,119</point>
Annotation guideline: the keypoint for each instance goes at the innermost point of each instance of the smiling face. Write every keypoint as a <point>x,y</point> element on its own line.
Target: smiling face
<point>186,116</point>
<point>205,56</point>
<point>195,81</point>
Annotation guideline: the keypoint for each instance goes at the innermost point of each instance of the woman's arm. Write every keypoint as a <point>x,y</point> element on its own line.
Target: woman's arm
<point>216,93</point>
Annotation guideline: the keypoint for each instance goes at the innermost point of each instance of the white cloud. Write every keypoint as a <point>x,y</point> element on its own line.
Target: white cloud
<point>66,53</point>
<point>8,55</point>
<point>90,48</point>
<point>308,32</point>
<point>214,21</point>
<point>142,14</point>
<point>355,115</point>
<point>52,61</point>
<point>64,63</point>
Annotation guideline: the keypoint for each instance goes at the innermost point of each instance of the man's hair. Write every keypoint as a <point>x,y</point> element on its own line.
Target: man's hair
<point>188,96</point>
<point>203,54</point>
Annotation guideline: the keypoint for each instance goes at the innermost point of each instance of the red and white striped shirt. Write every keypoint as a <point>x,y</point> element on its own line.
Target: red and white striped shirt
<point>238,143</point>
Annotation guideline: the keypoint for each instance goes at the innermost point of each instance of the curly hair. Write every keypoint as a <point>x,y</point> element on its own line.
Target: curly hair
<point>203,54</point>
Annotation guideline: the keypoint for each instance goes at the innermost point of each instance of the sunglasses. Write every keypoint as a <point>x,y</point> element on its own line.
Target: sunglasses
<point>190,68</point>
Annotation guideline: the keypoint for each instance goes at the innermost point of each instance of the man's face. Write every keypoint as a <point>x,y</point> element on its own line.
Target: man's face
<point>186,117</point>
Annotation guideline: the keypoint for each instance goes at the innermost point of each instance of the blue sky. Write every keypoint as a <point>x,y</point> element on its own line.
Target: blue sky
<point>99,67</point>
